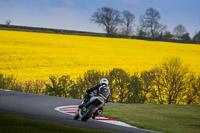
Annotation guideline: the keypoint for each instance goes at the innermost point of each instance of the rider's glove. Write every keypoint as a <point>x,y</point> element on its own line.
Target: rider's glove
<point>87,91</point>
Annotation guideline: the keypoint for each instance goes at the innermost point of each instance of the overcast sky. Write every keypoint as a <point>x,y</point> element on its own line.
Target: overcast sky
<point>76,14</point>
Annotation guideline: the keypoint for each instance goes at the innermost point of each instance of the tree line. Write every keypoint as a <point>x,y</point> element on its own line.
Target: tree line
<point>115,23</point>
<point>170,82</point>
<point>121,25</point>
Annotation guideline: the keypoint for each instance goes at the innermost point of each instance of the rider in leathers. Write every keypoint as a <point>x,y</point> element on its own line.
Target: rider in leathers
<point>102,90</point>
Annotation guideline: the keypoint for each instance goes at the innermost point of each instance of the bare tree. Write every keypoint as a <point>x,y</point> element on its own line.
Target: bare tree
<point>193,92</point>
<point>159,29</point>
<point>179,31</point>
<point>171,81</point>
<point>119,82</point>
<point>147,78</point>
<point>8,22</point>
<point>150,20</point>
<point>109,18</point>
<point>127,20</point>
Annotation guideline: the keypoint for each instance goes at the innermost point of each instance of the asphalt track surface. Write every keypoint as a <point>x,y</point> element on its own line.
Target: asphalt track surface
<point>39,107</point>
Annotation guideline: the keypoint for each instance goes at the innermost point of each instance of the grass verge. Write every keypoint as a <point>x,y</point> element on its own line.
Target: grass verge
<point>15,124</point>
<point>164,118</point>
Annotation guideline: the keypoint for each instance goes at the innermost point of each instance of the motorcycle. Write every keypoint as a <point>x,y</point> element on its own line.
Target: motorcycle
<point>93,107</point>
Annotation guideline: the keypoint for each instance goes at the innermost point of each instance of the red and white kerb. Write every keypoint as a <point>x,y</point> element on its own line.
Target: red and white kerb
<point>71,110</point>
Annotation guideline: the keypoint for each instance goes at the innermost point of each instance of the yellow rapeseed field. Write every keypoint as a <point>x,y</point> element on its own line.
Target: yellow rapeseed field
<point>36,56</point>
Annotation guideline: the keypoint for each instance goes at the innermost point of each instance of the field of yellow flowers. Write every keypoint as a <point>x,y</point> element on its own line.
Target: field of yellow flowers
<point>36,56</point>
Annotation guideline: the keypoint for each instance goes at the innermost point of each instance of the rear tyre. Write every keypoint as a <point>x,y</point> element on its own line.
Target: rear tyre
<point>89,113</point>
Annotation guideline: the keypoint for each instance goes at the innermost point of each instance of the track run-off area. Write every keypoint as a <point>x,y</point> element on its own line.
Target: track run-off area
<point>58,110</point>
<point>72,109</point>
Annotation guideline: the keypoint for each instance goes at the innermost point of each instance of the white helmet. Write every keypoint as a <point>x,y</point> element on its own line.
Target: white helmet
<point>104,81</point>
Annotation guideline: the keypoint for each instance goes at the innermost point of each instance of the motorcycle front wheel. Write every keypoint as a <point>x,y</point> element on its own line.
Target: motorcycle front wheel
<point>89,112</point>
<point>76,116</point>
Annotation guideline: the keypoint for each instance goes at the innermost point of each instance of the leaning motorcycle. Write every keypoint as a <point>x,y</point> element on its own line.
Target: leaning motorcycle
<point>93,107</point>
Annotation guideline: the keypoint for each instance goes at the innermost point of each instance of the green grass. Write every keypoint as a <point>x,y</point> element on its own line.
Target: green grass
<point>15,124</point>
<point>164,118</point>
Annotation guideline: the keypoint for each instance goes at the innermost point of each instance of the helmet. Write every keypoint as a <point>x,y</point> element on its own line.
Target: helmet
<point>104,81</point>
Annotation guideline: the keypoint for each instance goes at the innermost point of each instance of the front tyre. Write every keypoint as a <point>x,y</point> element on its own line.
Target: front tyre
<point>89,113</point>
<point>76,116</point>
